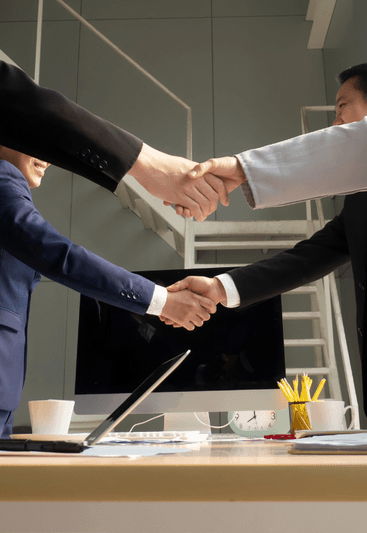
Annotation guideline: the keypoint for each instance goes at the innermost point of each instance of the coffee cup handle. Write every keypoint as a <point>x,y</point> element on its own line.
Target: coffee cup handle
<point>351,425</point>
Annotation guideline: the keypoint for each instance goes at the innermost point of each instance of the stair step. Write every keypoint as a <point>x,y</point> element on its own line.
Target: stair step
<point>313,371</point>
<point>304,342</point>
<point>301,315</point>
<point>254,227</point>
<point>306,289</point>
<point>244,245</point>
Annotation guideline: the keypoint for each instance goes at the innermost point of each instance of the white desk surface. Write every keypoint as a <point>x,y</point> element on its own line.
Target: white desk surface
<point>246,471</point>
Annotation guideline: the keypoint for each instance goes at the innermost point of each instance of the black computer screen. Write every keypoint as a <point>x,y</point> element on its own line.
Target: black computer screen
<point>236,349</point>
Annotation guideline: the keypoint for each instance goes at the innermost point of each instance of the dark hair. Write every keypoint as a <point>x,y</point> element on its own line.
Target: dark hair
<point>359,72</point>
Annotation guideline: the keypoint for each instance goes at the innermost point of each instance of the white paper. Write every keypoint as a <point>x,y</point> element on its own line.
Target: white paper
<point>131,451</point>
<point>343,442</point>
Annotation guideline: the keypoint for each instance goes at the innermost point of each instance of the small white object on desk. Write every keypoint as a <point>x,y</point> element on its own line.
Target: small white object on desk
<point>326,415</point>
<point>156,436</point>
<point>132,451</point>
<point>344,443</point>
<point>51,416</point>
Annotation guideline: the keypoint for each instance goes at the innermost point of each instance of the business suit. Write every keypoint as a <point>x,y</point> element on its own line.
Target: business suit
<point>324,162</point>
<point>43,123</point>
<point>30,246</point>
<point>343,239</point>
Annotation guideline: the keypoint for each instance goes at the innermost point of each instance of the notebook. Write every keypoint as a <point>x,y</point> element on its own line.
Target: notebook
<point>127,406</point>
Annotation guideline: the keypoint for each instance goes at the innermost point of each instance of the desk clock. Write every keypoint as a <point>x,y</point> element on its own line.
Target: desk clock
<point>259,423</point>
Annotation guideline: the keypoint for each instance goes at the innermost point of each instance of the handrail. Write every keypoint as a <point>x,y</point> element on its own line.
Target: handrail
<point>331,288</point>
<point>122,54</point>
<point>188,221</point>
<point>37,66</point>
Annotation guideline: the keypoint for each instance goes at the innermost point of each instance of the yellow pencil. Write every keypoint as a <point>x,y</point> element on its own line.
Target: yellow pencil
<point>285,391</point>
<point>295,383</point>
<point>289,388</point>
<point>295,388</point>
<point>303,395</point>
<point>309,384</point>
<point>318,390</point>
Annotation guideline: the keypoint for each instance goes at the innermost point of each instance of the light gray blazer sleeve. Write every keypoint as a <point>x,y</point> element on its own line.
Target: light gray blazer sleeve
<point>322,163</point>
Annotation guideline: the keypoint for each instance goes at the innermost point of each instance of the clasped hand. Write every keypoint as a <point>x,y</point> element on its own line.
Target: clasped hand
<point>194,189</point>
<point>191,301</point>
<point>222,176</point>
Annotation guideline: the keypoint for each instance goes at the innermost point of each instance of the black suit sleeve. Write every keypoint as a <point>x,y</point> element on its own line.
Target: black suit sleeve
<point>309,260</point>
<point>43,123</point>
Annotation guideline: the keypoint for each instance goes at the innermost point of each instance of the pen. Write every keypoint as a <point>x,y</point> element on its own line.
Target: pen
<point>28,445</point>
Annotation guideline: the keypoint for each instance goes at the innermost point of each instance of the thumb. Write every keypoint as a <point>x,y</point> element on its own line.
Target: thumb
<point>200,169</point>
<point>178,286</point>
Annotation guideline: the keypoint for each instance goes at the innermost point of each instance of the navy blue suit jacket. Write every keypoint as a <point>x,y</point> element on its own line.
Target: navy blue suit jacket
<point>30,246</point>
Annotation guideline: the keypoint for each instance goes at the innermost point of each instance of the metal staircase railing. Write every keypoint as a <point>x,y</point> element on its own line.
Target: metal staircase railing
<point>331,297</point>
<point>155,216</point>
<point>323,294</point>
<point>279,235</point>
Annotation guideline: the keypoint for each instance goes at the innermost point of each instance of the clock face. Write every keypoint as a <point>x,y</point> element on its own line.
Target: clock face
<point>259,423</point>
<point>255,420</point>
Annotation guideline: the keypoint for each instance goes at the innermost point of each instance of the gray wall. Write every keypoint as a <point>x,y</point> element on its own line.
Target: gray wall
<point>243,67</point>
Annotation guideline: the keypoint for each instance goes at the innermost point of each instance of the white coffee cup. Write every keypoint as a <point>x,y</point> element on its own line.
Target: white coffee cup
<point>50,417</point>
<point>328,415</point>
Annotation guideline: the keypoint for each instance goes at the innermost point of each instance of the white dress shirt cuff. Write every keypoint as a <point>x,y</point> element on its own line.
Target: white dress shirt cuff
<point>233,297</point>
<point>307,166</point>
<point>158,301</point>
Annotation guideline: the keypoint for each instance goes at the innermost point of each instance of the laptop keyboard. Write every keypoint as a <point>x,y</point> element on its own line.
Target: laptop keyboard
<point>155,436</point>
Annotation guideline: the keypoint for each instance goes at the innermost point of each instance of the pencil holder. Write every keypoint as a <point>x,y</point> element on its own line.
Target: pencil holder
<point>299,416</point>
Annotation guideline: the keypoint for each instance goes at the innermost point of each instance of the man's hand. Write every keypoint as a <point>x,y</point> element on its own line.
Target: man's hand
<point>227,169</point>
<point>210,288</point>
<point>185,309</point>
<point>165,177</point>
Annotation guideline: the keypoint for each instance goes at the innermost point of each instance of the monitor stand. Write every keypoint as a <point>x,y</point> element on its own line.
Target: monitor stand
<point>186,422</point>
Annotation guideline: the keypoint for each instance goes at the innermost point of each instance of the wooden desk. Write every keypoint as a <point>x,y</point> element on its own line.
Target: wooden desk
<point>213,472</point>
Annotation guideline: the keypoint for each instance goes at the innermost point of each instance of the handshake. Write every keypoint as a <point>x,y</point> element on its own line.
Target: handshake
<point>194,189</point>
<point>191,301</point>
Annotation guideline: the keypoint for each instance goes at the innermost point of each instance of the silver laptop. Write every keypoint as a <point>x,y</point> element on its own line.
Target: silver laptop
<point>127,406</point>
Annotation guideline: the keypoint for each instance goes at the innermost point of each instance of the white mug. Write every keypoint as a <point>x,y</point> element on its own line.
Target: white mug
<point>50,417</point>
<point>328,415</point>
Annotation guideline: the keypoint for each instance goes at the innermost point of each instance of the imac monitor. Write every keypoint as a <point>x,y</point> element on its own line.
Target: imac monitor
<point>236,357</point>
